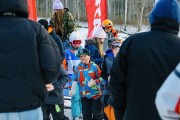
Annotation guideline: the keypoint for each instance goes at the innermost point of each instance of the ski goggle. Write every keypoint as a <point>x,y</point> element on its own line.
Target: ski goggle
<point>108,27</point>
<point>116,44</point>
<point>77,42</point>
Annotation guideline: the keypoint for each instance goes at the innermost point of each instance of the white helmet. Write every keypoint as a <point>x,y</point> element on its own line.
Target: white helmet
<point>100,33</point>
<point>75,36</point>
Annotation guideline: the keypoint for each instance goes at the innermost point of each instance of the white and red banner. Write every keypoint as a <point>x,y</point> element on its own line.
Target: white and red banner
<point>32,10</point>
<point>96,13</point>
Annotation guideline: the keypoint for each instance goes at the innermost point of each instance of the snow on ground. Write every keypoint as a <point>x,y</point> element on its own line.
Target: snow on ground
<point>130,29</point>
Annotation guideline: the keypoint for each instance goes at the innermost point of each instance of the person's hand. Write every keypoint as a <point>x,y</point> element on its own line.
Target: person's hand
<point>109,78</point>
<point>115,51</point>
<point>49,87</point>
<point>70,93</point>
<point>91,83</point>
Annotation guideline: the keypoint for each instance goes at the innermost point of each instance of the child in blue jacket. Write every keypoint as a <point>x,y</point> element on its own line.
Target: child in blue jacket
<point>87,76</point>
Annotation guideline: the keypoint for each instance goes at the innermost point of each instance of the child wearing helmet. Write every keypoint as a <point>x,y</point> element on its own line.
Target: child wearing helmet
<point>87,76</point>
<point>95,46</point>
<point>114,45</point>
<point>110,31</point>
<point>71,60</point>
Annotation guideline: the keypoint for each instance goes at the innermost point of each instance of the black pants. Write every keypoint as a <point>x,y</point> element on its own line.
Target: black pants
<point>50,109</point>
<point>92,109</point>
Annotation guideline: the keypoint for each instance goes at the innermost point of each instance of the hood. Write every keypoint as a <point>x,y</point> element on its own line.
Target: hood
<point>168,9</point>
<point>90,42</point>
<point>18,7</point>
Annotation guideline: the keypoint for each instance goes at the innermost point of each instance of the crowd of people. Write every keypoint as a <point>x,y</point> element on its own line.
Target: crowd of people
<point>107,79</point>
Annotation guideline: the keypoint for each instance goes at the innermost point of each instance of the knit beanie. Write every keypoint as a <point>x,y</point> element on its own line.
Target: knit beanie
<point>99,33</point>
<point>165,9</point>
<point>57,5</point>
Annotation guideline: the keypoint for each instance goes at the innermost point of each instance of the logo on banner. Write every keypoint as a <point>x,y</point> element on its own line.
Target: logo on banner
<point>96,13</point>
<point>97,20</point>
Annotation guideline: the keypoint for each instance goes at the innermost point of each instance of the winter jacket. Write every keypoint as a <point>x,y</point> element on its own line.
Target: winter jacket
<point>56,96</point>
<point>143,63</point>
<point>107,64</point>
<point>94,53</point>
<point>59,43</point>
<point>69,24</point>
<point>105,73</point>
<point>29,59</point>
<point>83,74</point>
<point>71,60</point>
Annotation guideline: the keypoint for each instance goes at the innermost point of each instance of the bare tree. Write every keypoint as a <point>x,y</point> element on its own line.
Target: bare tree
<point>78,15</point>
<point>125,15</point>
<point>141,15</point>
<point>127,11</point>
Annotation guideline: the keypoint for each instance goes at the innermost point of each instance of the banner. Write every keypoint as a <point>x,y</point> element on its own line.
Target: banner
<point>32,10</point>
<point>96,12</point>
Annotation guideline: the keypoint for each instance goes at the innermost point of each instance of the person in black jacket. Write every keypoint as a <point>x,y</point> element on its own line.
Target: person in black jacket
<point>55,101</point>
<point>29,59</point>
<point>114,45</point>
<point>56,38</point>
<point>143,63</point>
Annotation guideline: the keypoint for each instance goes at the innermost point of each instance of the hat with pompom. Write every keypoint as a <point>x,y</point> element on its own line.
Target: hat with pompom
<point>57,5</point>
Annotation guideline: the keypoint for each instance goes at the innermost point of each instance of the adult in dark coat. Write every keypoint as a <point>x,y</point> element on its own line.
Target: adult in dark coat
<point>55,97</point>
<point>59,43</point>
<point>29,59</point>
<point>144,62</point>
<point>53,34</point>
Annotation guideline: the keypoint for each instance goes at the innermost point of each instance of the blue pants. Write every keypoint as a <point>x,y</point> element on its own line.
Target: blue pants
<point>76,106</point>
<point>25,115</point>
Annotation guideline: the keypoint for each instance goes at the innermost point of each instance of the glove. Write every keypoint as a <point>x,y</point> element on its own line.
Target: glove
<point>92,83</point>
<point>70,93</point>
<point>109,78</point>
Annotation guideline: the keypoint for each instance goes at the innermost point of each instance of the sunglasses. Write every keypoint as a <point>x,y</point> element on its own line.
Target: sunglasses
<point>77,42</point>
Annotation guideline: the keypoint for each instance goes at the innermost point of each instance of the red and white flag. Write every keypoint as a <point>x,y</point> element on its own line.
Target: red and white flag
<point>32,9</point>
<point>96,13</point>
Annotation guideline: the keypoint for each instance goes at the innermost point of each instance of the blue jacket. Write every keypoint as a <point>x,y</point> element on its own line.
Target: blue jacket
<point>83,74</point>
<point>94,53</point>
<point>107,64</point>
